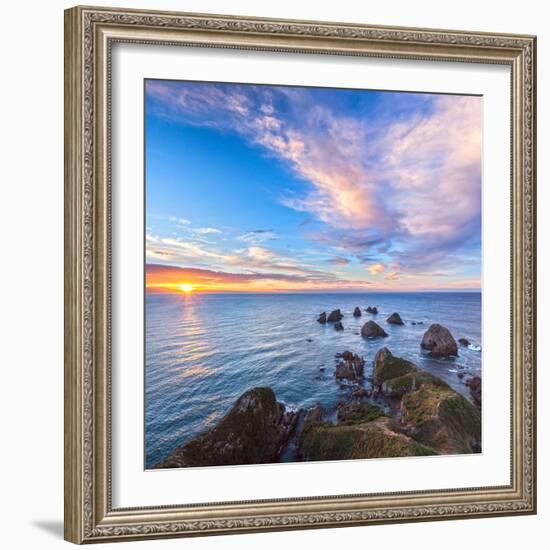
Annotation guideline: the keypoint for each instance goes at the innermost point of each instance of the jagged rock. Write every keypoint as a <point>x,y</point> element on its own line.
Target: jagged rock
<point>475,389</point>
<point>359,393</point>
<point>356,312</point>
<point>372,330</point>
<point>351,367</point>
<point>439,341</point>
<point>338,326</point>
<point>441,418</point>
<point>464,342</point>
<point>395,319</point>
<point>322,318</point>
<point>373,310</point>
<point>253,432</point>
<point>335,316</point>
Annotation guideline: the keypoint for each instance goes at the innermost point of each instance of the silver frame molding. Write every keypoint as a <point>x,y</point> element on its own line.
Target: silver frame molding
<point>89,36</point>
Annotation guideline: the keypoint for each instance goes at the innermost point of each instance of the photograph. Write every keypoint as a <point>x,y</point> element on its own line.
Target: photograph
<point>313,274</point>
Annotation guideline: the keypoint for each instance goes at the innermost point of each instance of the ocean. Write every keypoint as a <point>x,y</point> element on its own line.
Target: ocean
<point>204,350</point>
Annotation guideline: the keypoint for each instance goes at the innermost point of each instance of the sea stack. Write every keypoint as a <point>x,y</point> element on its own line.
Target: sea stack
<point>356,312</point>
<point>395,319</point>
<point>322,318</point>
<point>335,316</point>
<point>439,341</point>
<point>372,330</point>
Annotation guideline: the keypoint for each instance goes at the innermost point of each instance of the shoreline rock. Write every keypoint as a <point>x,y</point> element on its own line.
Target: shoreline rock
<point>439,341</point>
<point>338,325</point>
<point>322,318</point>
<point>351,367</point>
<point>373,330</point>
<point>252,432</point>
<point>464,342</point>
<point>373,310</point>
<point>475,389</point>
<point>357,312</point>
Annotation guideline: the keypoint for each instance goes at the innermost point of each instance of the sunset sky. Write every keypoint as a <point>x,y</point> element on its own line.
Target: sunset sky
<point>269,188</point>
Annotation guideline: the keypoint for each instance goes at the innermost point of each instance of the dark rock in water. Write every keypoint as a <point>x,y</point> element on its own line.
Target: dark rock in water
<point>356,312</point>
<point>464,342</point>
<point>351,367</point>
<point>335,316</point>
<point>417,323</point>
<point>322,369</point>
<point>373,310</point>
<point>322,318</point>
<point>372,330</point>
<point>439,341</point>
<point>362,432</point>
<point>460,375</point>
<point>475,389</point>
<point>338,326</point>
<point>309,340</point>
<point>395,319</point>
<point>441,418</point>
<point>253,432</point>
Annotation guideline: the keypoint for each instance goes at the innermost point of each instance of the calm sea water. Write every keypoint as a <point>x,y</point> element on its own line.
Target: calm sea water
<point>204,350</point>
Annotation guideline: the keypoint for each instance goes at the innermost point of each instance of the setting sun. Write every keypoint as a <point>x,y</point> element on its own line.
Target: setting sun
<point>186,287</point>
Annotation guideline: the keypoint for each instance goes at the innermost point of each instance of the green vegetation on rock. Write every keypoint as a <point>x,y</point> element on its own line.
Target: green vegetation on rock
<point>372,439</point>
<point>439,417</point>
<point>386,367</point>
<point>410,382</point>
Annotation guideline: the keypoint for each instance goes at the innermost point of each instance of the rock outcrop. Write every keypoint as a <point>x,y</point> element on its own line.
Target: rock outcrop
<point>253,432</point>
<point>363,432</point>
<point>322,318</point>
<point>373,310</point>
<point>387,367</point>
<point>439,341</point>
<point>439,417</point>
<point>350,367</point>
<point>395,319</point>
<point>372,330</point>
<point>464,342</point>
<point>356,312</point>
<point>335,316</point>
<point>475,389</point>
<point>338,325</point>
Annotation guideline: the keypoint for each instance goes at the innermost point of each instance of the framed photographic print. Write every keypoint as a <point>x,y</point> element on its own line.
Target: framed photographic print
<point>300,274</point>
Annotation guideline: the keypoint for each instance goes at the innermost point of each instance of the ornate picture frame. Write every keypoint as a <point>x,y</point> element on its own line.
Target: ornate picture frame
<point>90,34</point>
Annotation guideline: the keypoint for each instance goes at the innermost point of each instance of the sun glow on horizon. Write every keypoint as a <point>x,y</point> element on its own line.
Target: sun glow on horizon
<point>186,287</point>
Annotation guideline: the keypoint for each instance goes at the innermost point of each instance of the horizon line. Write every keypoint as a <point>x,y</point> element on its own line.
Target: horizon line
<point>289,291</point>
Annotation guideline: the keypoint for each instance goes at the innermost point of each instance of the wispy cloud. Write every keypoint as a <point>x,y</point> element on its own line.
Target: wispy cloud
<point>403,187</point>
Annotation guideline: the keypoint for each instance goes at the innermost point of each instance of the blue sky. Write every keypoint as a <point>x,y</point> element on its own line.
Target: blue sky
<point>284,188</point>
